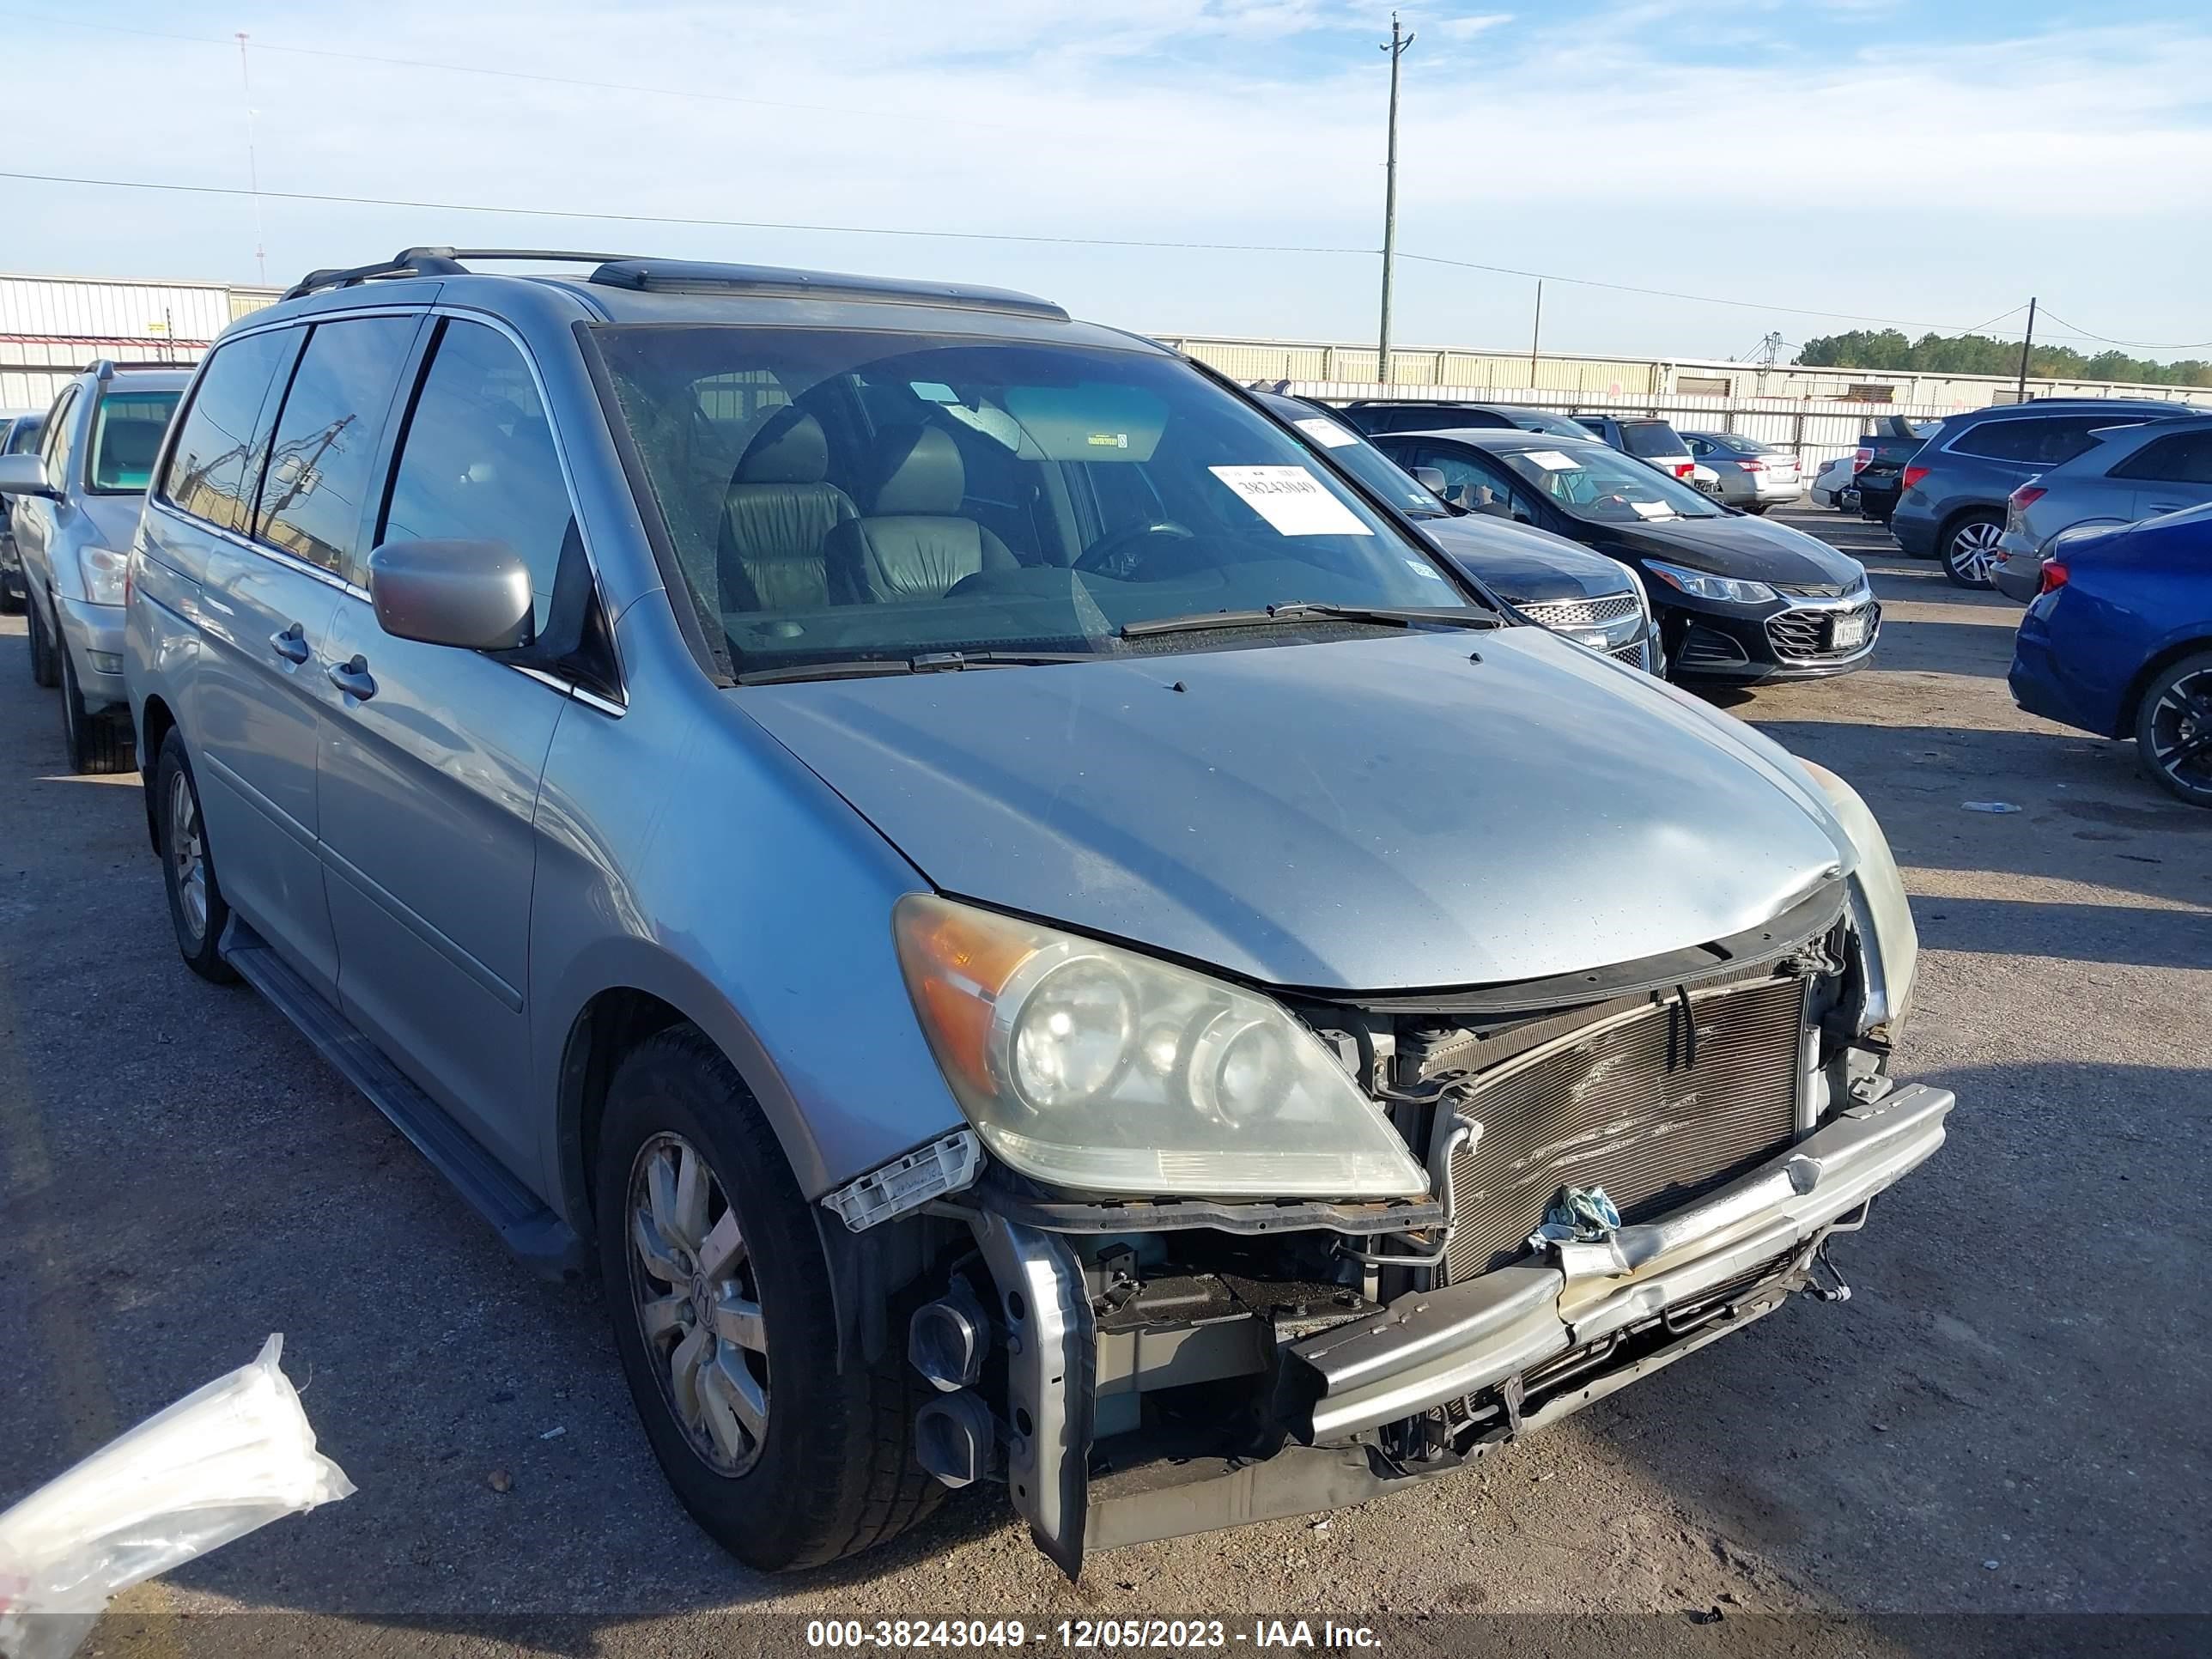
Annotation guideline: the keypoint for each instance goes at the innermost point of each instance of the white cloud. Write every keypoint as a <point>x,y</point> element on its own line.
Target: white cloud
<point>1466,28</point>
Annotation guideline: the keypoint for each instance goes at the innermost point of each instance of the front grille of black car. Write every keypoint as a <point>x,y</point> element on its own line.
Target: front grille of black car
<point>1582,613</point>
<point>1708,647</point>
<point>1637,1103</point>
<point>1802,635</point>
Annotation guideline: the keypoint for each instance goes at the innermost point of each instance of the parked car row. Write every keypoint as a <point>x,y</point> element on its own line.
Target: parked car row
<point>1032,914</point>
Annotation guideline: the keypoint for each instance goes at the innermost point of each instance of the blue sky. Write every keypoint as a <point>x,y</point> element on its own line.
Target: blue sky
<point>1929,164</point>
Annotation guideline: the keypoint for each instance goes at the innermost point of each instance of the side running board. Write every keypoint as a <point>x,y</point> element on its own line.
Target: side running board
<point>525,1226</point>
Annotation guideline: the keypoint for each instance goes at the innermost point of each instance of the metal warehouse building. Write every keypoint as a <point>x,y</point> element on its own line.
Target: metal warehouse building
<point>51,327</point>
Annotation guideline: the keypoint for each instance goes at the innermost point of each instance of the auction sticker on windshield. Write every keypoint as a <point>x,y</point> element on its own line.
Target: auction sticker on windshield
<point>1292,500</point>
<point>1328,434</point>
<point>1552,461</point>
<point>1652,509</point>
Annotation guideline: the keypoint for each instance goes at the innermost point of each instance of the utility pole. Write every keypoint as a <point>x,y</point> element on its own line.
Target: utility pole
<point>2025,340</point>
<point>1397,50</point>
<point>252,163</point>
<point>1535,334</point>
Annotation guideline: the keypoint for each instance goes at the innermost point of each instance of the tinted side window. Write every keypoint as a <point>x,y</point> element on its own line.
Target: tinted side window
<point>2043,443</point>
<point>1645,438</point>
<point>2185,458</point>
<point>317,478</point>
<point>477,463</point>
<point>216,462</point>
<point>61,440</point>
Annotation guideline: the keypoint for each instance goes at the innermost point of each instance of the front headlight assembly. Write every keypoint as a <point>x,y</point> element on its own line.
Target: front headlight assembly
<point>1098,1070</point>
<point>104,569</point>
<point>1703,585</point>
<point>1879,912</point>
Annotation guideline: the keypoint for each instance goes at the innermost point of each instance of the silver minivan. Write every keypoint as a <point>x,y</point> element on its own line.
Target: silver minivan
<point>1032,930</point>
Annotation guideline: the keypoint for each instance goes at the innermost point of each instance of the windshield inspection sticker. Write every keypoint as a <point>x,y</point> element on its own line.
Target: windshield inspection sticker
<point>1428,570</point>
<point>1292,500</point>
<point>1328,434</point>
<point>1652,509</point>
<point>1552,461</point>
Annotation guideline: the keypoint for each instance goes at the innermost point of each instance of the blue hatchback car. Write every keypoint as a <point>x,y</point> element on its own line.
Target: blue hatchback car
<point>2120,643</point>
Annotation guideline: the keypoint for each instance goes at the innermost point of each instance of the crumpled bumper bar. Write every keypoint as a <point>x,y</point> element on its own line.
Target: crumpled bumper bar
<point>1434,1346</point>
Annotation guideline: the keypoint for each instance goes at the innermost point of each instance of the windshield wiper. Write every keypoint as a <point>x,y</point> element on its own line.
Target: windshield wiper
<point>928,662</point>
<point>1308,611</point>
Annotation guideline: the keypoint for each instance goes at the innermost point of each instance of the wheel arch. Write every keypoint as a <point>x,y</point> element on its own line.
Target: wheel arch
<point>2154,665</point>
<point>1958,515</point>
<point>155,722</point>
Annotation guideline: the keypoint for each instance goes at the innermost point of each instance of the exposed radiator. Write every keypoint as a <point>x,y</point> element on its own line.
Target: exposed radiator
<point>1623,1104</point>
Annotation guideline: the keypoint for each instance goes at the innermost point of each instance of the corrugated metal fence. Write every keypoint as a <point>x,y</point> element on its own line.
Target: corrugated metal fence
<point>1815,431</point>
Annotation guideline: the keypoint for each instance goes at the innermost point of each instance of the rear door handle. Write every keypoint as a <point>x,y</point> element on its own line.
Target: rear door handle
<point>352,678</point>
<point>2165,507</point>
<point>291,644</point>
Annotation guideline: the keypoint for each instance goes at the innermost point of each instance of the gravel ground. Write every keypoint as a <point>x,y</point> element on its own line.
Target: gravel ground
<point>2009,1417</point>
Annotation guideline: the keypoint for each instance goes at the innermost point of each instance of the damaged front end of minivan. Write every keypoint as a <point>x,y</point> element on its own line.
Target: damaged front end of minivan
<point>1207,1256</point>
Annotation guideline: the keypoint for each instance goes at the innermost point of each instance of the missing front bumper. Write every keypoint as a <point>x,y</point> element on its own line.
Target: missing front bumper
<point>1734,1255</point>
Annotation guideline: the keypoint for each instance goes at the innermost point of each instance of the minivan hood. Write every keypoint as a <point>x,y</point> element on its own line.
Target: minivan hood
<point>1524,563</point>
<point>1736,544</point>
<point>1409,813</point>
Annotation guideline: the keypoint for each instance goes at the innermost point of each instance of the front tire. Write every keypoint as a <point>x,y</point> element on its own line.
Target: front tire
<point>1970,550</point>
<point>43,672</point>
<point>723,1315</point>
<point>99,745</point>
<point>196,908</point>
<point>2174,729</point>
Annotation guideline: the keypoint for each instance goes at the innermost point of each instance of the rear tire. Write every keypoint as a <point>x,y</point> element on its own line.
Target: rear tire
<point>43,669</point>
<point>786,1459</point>
<point>2174,717</point>
<point>197,910</point>
<point>1969,547</point>
<point>97,744</point>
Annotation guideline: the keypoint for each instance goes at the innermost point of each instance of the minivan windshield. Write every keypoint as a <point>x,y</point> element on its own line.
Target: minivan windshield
<point>1600,485</point>
<point>126,430</point>
<point>846,496</point>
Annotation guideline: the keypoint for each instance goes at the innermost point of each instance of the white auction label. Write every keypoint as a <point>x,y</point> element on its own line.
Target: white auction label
<point>1328,434</point>
<point>1652,509</point>
<point>1292,500</point>
<point>1553,461</point>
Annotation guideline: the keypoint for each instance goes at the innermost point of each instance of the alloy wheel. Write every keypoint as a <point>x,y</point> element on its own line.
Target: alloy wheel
<point>697,1301</point>
<point>188,857</point>
<point>1974,551</point>
<point>2181,733</point>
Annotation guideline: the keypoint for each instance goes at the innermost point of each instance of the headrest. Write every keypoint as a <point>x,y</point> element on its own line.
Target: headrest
<point>918,471</point>
<point>789,449</point>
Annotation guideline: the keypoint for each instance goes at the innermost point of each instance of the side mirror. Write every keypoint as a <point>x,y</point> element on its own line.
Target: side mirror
<point>24,475</point>
<point>474,595</point>
<point>1431,479</point>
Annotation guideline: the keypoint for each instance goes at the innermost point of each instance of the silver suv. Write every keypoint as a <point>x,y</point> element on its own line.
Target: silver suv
<point>73,508</point>
<point>1031,929</point>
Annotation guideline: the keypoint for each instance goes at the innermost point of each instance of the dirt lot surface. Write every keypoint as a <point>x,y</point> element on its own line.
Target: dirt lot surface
<point>2011,1415</point>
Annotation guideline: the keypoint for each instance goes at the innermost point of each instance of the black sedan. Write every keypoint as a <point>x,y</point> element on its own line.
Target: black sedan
<point>1739,599</point>
<point>1548,579</point>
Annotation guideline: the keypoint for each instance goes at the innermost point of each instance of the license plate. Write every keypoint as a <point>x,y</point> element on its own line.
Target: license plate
<point>1713,489</point>
<point>1847,632</point>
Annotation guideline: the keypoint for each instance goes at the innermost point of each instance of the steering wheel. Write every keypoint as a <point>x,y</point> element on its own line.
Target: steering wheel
<point>1120,554</point>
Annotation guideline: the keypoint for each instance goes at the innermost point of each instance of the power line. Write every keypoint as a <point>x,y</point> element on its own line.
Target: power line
<point>332,198</point>
<point>2074,331</point>
<point>671,219</point>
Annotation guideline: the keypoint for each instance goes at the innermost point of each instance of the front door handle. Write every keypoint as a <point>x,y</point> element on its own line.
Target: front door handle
<point>291,644</point>
<point>352,678</point>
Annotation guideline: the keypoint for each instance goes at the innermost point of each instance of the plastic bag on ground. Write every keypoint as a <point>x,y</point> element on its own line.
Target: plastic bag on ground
<point>224,1460</point>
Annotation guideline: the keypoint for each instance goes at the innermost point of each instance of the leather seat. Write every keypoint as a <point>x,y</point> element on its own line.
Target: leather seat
<point>913,543</point>
<point>776,513</point>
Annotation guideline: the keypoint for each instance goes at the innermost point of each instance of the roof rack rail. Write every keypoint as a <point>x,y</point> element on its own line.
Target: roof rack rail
<point>700,277</point>
<point>107,369</point>
<point>432,261</point>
